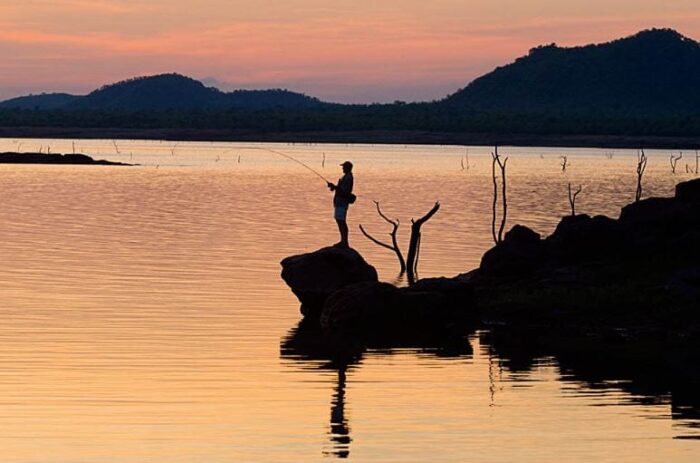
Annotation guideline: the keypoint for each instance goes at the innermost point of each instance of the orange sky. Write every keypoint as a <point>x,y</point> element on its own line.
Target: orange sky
<point>338,50</point>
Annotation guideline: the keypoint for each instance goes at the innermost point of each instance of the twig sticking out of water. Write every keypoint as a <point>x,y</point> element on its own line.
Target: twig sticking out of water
<point>172,150</point>
<point>572,199</point>
<point>564,162</point>
<point>323,161</point>
<point>116,148</point>
<point>674,161</point>
<point>496,160</point>
<point>641,167</point>
<point>73,143</point>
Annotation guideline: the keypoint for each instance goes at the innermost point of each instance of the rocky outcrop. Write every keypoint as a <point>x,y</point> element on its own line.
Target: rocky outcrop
<point>650,226</point>
<point>316,275</point>
<point>635,270</point>
<point>56,158</point>
<point>520,252</point>
<point>380,309</point>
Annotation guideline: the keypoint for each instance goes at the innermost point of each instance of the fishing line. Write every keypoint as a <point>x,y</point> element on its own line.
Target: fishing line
<point>291,158</point>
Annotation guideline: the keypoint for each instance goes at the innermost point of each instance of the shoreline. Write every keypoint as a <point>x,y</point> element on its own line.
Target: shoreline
<point>361,137</point>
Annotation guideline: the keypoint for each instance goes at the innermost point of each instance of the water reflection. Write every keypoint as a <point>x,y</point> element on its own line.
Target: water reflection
<point>309,348</point>
<point>650,372</point>
<point>340,430</point>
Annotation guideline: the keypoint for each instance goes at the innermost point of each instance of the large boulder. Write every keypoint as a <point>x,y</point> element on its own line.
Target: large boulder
<point>316,275</point>
<point>518,254</point>
<point>689,191</point>
<point>581,237</point>
<point>381,310</point>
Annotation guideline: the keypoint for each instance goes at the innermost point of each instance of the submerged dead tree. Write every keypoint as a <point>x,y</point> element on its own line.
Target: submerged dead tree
<point>496,160</point>
<point>394,246</point>
<point>674,162</point>
<point>410,265</point>
<point>414,243</point>
<point>572,199</point>
<point>564,162</point>
<point>641,167</point>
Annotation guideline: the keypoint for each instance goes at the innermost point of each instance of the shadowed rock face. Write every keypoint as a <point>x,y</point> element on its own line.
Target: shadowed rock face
<point>316,275</point>
<point>650,226</point>
<point>380,310</point>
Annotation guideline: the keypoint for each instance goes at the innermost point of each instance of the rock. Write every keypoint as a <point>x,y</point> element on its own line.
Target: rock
<point>351,308</point>
<point>382,310</point>
<point>519,253</point>
<point>685,283</point>
<point>316,275</point>
<point>582,237</point>
<point>689,191</point>
<point>651,223</point>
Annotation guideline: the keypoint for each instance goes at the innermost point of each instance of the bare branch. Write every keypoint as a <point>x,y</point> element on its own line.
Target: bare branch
<point>395,245</point>
<point>375,240</point>
<point>564,162</point>
<point>674,162</point>
<point>495,196</point>
<point>641,167</point>
<point>395,223</point>
<point>414,243</point>
<point>572,199</point>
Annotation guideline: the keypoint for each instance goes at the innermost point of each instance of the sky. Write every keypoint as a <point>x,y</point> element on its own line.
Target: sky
<point>358,51</point>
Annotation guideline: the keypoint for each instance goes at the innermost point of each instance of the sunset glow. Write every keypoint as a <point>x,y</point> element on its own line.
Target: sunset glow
<point>349,51</point>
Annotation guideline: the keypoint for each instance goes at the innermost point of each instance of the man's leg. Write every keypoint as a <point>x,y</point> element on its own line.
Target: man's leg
<point>343,227</point>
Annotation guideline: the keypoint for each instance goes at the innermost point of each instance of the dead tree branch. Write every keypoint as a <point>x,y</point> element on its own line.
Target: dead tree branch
<point>564,162</point>
<point>497,160</point>
<point>641,167</point>
<point>394,246</point>
<point>674,162</point>
<point>414,243</point>
<point>572,199</point>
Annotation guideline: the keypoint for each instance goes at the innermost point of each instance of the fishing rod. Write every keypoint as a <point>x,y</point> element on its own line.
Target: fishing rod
<point>291,158</point>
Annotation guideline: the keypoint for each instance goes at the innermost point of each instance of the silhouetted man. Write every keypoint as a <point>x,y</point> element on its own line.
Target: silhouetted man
<point>341,201</point>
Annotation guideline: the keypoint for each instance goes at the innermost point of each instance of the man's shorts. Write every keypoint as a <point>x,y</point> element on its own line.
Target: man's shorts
<point>341,212</point>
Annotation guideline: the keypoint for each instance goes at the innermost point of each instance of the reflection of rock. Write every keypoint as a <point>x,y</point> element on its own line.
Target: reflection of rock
<point>381,309</point>
<point>316,275</point>
<point>313,347</point>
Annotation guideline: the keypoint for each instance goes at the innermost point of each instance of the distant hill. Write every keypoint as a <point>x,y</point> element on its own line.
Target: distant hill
<point>42,101</point>
<point>163,92</point>
<point>654,71</point>
<point>643,85</point>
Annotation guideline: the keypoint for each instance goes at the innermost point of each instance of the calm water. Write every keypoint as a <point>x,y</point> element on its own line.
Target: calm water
<point>144,318</point>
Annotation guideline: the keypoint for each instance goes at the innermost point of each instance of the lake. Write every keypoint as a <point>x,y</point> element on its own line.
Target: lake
<point>145,318</point>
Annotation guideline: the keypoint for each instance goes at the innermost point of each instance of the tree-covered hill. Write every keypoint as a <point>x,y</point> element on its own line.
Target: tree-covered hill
<point>163,92</point>
<point>653,72</point>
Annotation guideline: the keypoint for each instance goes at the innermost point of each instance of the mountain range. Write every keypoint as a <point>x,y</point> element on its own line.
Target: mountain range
<point>162,92</point>
<point>657,70</point>
<point>647,84</point>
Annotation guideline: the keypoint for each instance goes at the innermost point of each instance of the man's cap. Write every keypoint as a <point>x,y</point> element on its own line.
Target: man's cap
<point>347,163</point>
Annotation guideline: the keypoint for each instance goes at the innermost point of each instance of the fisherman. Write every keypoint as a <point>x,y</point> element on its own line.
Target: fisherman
<point>341,201</point>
